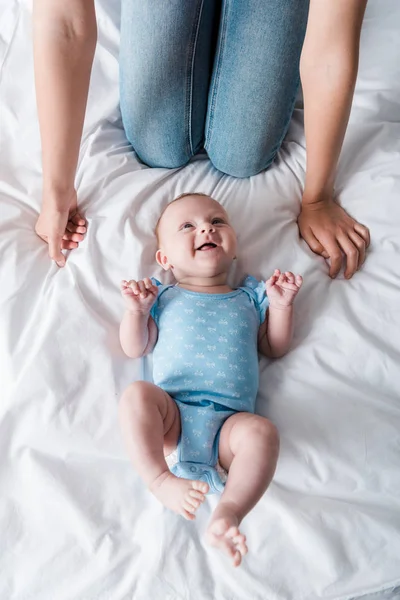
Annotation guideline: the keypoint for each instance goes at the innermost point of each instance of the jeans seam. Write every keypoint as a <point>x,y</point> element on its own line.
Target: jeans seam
<point>189,82</point>
<point>214,91</point>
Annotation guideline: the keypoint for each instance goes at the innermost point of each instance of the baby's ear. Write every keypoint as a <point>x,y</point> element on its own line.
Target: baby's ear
<point>162,260</point>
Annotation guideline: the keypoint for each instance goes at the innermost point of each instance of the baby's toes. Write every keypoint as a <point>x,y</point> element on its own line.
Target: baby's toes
<point>187,515</point>
<point>189,508</point>
<point>197,495</point>
<point>200,486</point>
<point>192,501</point>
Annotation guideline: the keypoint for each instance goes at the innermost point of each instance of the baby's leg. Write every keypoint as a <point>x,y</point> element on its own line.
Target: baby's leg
<point>248,450</point>
<point>150,425</point>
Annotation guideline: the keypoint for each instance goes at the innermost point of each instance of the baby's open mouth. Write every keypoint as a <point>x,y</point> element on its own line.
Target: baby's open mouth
<point>207,246</point>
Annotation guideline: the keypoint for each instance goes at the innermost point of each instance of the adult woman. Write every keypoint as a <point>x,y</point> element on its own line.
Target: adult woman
<point>180,88</point>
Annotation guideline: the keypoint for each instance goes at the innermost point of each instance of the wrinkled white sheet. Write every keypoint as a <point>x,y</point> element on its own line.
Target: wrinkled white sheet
<point>76,523</point>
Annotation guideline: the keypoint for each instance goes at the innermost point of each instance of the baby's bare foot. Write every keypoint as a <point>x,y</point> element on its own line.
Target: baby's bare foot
<point>183,496</point>
<point>223,533</point>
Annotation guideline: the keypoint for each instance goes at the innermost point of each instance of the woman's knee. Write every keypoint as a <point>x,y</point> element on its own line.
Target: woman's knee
<point>164,70</point>
<point>242,152</point>
<point>240,164</point>
<point>155,145</point>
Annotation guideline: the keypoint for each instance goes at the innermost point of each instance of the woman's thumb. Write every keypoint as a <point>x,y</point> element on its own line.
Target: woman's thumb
<point>55,249</point>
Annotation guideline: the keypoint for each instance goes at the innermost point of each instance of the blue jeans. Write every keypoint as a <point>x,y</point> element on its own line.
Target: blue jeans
<point>223,75</point>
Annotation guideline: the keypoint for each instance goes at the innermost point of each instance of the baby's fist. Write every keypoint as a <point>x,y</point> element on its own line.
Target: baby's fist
<point>282,288</point>
<point>139,296</point>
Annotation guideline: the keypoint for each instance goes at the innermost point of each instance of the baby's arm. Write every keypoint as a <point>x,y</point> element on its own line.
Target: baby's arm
<point>275,334</point>
<point>138,331</point>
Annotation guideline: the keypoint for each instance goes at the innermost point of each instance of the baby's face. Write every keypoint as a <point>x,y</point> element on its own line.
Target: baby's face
<point>196,238</point>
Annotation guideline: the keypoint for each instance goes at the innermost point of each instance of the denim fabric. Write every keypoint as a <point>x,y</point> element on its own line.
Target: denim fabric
<point>180,91</point>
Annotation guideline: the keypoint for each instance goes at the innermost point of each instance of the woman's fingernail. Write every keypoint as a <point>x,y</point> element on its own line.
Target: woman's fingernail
<point>60,263</point>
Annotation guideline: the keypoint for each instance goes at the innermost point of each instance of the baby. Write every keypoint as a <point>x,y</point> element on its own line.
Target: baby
<point>205,337</point>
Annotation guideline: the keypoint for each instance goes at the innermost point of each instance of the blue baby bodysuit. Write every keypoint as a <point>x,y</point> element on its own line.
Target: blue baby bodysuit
<point>206,359</point>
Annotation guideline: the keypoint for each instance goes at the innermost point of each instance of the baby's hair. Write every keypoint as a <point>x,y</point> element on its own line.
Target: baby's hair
<point>175,200</point>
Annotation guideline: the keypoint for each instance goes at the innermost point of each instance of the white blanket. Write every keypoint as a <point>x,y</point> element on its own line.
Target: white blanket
<point>76,521</point>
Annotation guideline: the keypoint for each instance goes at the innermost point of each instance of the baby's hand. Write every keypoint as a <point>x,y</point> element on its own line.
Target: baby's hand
<point>139,296</point>
<point>282,288</point>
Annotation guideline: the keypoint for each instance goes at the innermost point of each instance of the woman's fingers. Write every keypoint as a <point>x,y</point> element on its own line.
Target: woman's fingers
<point>363,232</point>
<point>361,246</point>
<point>55,245</point>
<point>351,252</point>
<point>75,228</point>
<point>314,244</point>
<point>349,243</point>
<point>72,237</point>
<point>331,232</point>
<point>68,245</point>
<point>334,253</point>
<point>77,219</point>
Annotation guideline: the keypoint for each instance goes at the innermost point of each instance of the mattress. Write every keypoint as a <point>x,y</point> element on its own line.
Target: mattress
<point>76,522</point>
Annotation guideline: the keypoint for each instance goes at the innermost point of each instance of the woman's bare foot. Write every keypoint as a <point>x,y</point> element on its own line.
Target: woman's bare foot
<point>183,496</point>
<point>223,533</point>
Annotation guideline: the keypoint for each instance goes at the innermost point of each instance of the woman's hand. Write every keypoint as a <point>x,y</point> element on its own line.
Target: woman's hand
<point>328,68</point>
<point>332,233</point>
<point>61,229</point>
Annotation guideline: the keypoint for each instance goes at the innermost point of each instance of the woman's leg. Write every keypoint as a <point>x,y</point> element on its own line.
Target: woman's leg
<point>151,425</point>
<point>254,83</point>
<point>248,450</point>
<point>165,68</point>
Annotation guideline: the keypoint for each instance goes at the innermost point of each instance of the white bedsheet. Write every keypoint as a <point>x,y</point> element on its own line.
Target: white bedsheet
<point>76,522</point>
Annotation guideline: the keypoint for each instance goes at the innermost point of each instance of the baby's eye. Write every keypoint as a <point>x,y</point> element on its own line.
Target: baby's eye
<point>217,221</point>
<point>187,226</point>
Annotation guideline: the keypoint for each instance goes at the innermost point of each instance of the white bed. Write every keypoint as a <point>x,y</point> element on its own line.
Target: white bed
<point>76,522</point>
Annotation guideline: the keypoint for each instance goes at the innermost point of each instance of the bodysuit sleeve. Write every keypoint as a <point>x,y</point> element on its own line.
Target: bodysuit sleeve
<point>256,290</point>
<point>155,310</point>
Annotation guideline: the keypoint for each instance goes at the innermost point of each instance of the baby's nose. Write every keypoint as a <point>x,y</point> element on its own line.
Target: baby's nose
<point>207,227</point>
